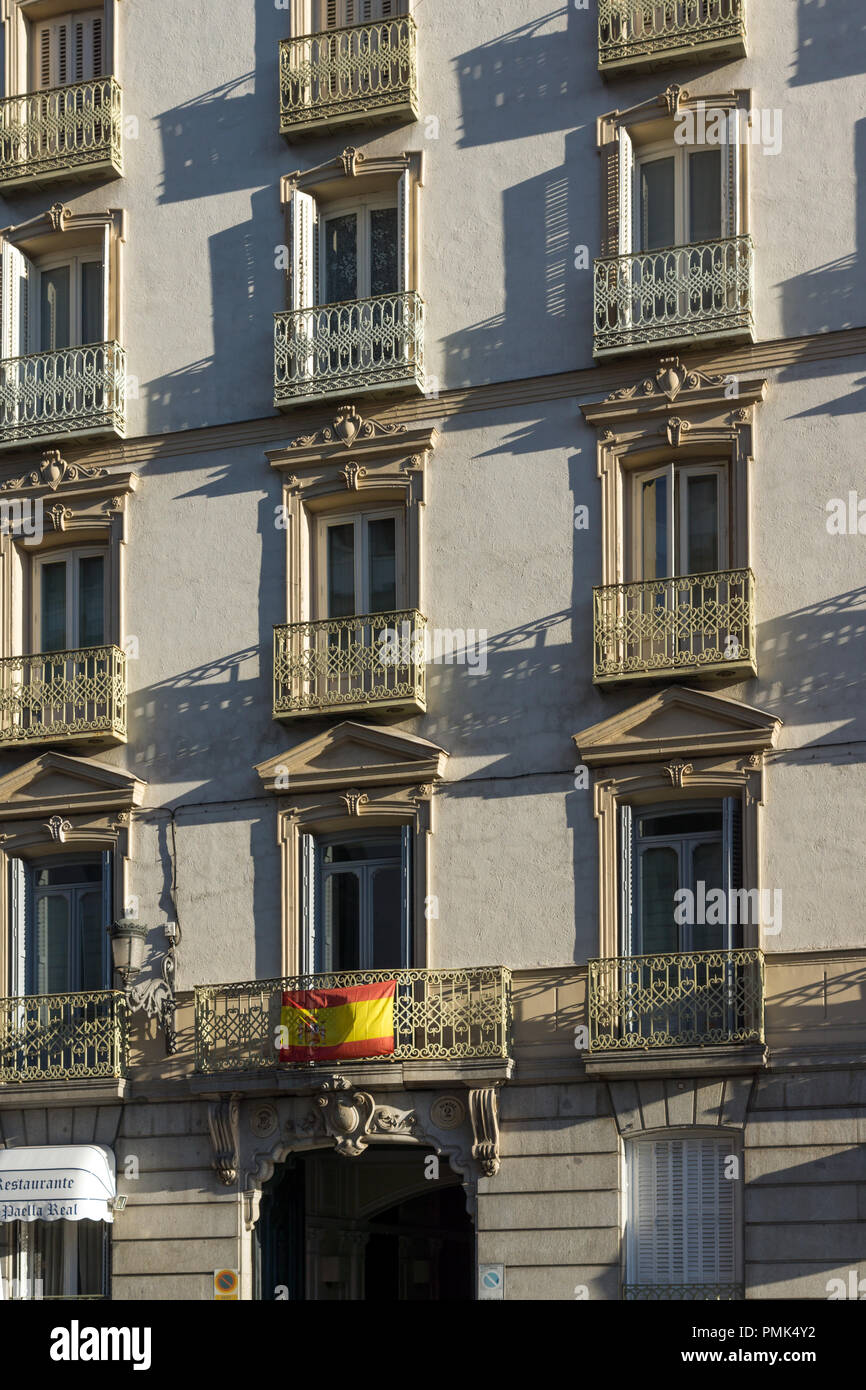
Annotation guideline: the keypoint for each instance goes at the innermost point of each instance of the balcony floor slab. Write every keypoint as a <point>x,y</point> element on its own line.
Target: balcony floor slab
<point>736,1059</point>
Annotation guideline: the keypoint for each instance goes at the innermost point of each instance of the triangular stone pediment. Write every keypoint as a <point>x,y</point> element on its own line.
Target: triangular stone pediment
<point>678,721</point>
<point>354,755</point>
<point>55,782</point>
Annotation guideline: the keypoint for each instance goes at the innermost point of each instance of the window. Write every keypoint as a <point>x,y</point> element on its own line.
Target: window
<point>667,850</point>
<point>66,49</point>
<point>359,251</point>
<point>61,910</point>
<point>680,197</point>
<point>54,1259</point>
<point>69,600</point>
<point>357,896</point>
<point>679,520</point>
<point>55,302</point>
<point>339,14</point>
<point>359,564</point>
<point>681,1224</point>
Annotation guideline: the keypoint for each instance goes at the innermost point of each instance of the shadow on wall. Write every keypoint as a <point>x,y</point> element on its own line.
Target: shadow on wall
<point>546,295</point>
<point>247,288</point>
<point>517,84</point>
<point>831,43</point>
<point>815,659</point>
<point>831,296</point>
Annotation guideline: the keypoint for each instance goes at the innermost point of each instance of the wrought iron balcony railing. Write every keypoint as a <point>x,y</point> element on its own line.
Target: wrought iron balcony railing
<point>337,664</point>
<point>439,1015</point>
<point>688,999</point>
<point>60,697</point>
<point>57,395</point>
<point>73,130</point>
<point>694,624</point>
<point>648,33</point>
<point>677,294</point>
<point>63,1037</point>
<point>365,72</point>
<point>706,1293</point>
<point>361,345</point>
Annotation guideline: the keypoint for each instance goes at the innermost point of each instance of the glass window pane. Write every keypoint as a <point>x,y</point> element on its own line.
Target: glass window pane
<point>681,823</point>
<point>654,529</point>
<point>341,258</point>
<point>387,920</point>
<point>659,881</point>
<point>341,571</point>
<point>657,220</point>
<point>54,309</point>
<point>373,847</point>
<point>47,1241</point>
<point>52,944</point>
<point>92,325</point>
<point>383,251</point>
<point>91,939</point>
<point>707,869</point>
<point>342,922</point>
<point>53,585</point>
<point>382,552</point>
<point>702,522</point>
<point>91,1257</point>
<point>91,601</point>
<point>705,195</point>
<point>54,874</point>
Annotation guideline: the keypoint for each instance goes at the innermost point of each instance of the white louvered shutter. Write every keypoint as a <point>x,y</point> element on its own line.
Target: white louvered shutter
<point>69,48</point>
<point>404,233</point>
<point>627,925</point>
<point>731,189</point>
<point>302,229</point>
<point>20,914</point>
<point>309,950</point>
<point>680,1213</point>
<point>406,895</point>
<point>18,278</point>
<point>339,14</point>
<point>625,174</point>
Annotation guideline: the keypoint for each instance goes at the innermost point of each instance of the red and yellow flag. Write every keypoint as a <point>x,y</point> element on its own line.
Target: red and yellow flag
<point>336,1024</point>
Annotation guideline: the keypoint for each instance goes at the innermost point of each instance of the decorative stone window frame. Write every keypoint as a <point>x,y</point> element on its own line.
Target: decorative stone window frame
<point>349,174</point>
<point>82,504</point>
<point>677,414</point>
<point>352,462</point>
<point>350,777</point>
<point>619,133</point>
<point>15,16</point>
<point>677,746</point>
<point>58,230</point>
<point>85,808</point>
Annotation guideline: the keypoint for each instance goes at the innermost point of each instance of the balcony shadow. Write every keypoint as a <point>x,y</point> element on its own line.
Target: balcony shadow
<point>519,83</point>
<point>830,296</point>
<point>810,667</point>
<point>543,220</point>
<point>831,44</point>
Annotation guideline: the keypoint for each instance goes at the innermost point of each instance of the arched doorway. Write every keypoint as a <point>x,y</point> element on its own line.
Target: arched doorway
<point>375,1228</point>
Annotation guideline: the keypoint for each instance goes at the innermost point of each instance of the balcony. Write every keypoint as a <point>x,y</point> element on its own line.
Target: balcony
<point>63,1037</point>
<point>638,35</point>
<point>65,132</point>
<point>359,346</point>
<point>661,1006</point>
<point>696,625</point>
<point>68,394</point>
<point>363,74</point>
<point>704,1293</point>
<point>63,697</point>
<point>447,1016</point>
<point>680,294</point>
<point>363,663</point>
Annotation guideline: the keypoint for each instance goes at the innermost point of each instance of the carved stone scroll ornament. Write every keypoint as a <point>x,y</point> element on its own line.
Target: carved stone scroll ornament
<point>677,772</point>
<point>348,426</point>
<point>52,471</point>
<point>223,1122</point>
<point>484,1113</point>
<point>670,380</point>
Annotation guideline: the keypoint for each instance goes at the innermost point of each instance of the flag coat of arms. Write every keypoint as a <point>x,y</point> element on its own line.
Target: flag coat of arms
<point>331,1025</point>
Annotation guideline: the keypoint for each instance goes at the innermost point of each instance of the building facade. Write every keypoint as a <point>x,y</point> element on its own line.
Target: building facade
<point>431,712</point>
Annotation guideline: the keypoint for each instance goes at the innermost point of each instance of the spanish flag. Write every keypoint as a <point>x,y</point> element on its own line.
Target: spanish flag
<point>331,1025</point>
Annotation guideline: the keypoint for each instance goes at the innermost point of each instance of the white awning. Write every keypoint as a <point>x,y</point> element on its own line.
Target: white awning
<point>57,1182</point>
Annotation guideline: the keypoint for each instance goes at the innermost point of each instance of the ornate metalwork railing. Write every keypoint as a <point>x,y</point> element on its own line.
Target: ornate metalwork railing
<point>365,69</point>
<point>63,1037</point>
<point>700,623</point>
<point>634,29</point>
<point>687,999</point>
<point>368,659</point>
<point>361,345</point>
<point>56,696</point>
<point>639,1293</point>
<point>71,391</point>
<point>439,1015</point>
<point>64,128</point>
<point>679,293</point>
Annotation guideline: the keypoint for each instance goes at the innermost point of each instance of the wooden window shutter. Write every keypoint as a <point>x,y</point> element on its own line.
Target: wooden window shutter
<point>625,183</point>
<point>404,233</point>
<point>681,1215</point>
<point>16,288</point>
<point>302,230</point>
<point>731,181</point>
<point>309,945</point>
<point>406,896</point>
<point>627,830</point>
<point>21,915</point>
